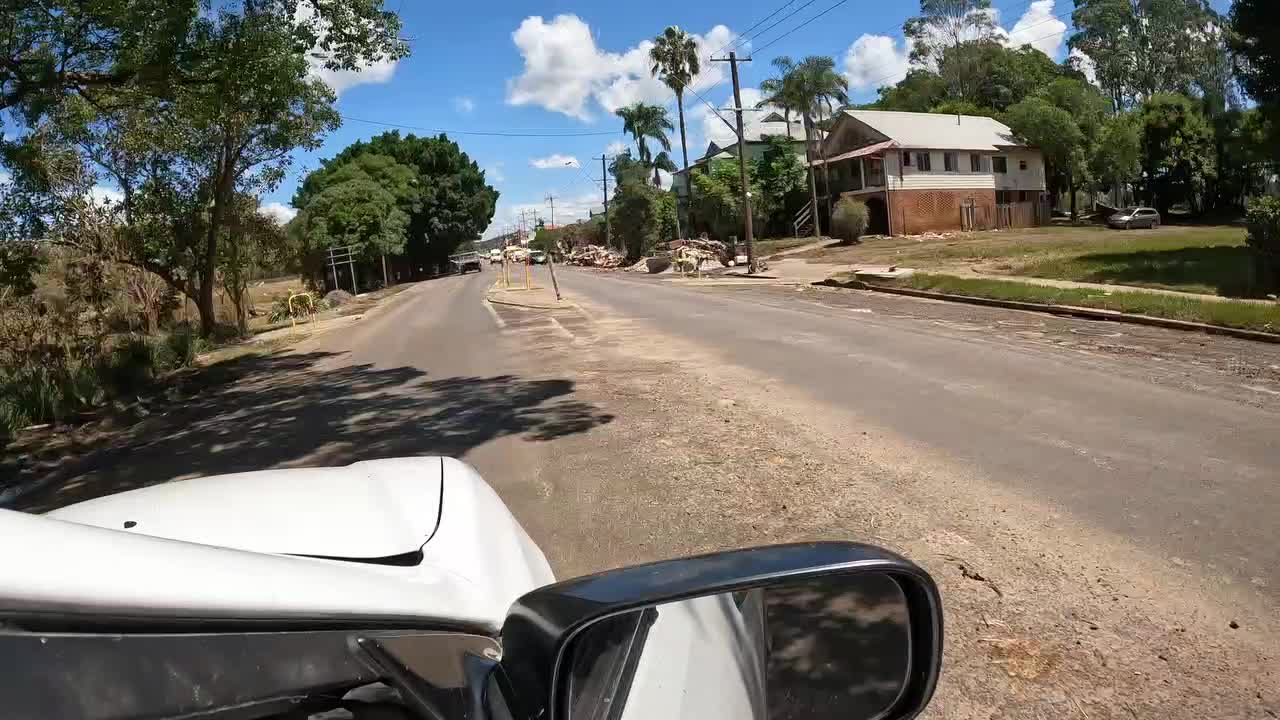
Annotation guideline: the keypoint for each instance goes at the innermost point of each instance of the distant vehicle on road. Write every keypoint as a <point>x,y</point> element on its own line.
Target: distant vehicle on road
<point>466,261</point>
<point>1134,217</point>
<point>537,257</point>
<point>495,257</point>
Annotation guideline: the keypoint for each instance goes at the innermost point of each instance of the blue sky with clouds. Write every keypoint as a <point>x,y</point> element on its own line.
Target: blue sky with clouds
<point>561,68</point>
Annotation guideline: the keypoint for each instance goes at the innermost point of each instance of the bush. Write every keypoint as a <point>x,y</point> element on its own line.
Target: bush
<point>304,303</point>
<point>1263,221</point>
<point>184,344</point>
<point>849,219</point>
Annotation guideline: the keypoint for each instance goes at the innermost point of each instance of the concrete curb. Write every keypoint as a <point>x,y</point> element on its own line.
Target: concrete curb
<point>1069,310</point>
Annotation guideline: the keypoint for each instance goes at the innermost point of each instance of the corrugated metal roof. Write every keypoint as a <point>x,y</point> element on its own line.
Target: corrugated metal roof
<point>938,131</point>
<point>860,152</point>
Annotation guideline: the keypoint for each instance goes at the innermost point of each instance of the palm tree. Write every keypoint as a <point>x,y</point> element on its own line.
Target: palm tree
<point>805,88</point>
<point>823,86</point>
<point>675,61</point>
<point>644,123</point>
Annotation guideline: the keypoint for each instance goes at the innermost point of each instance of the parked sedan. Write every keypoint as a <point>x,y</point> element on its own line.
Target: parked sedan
<point>537,257</point>
<point>1135,217</point>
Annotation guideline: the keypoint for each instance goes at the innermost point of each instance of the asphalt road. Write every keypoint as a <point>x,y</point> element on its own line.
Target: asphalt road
<point>1185,473</point>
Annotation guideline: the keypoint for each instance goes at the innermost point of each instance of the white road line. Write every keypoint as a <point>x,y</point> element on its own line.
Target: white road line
<point>494,314</point>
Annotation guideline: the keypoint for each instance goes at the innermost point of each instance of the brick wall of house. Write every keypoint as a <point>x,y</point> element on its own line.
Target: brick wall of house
<point>919,211</point>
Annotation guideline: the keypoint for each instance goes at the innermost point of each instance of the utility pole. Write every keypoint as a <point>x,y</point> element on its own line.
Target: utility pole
<point>552,199</point>
<point>742,160</point>
<point>604,179</point>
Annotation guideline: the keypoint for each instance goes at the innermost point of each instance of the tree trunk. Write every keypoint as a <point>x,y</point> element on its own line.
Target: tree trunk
<point>1071,188</point>
<point>688,179</point>
<point>209,263</point>
<point>813,183</point>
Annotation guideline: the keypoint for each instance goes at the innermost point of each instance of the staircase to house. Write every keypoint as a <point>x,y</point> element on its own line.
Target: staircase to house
<point>802,225</point>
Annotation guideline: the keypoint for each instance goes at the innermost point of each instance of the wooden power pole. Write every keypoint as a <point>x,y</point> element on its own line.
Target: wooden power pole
<point>604,179</point>
<point>742,160</point>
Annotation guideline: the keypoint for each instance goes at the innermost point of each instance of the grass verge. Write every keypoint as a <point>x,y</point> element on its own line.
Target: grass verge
<point>1264,317</point>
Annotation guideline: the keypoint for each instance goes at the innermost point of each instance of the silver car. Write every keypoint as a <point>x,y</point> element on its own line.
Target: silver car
<point>1135,217</point>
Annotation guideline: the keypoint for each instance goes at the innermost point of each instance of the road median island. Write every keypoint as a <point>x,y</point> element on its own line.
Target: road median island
<point>535,297</point>
<point>1241,319</point>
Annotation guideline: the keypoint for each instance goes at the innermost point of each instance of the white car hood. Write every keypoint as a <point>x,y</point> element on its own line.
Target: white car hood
<point>369,541</point>
<point>369,510</point>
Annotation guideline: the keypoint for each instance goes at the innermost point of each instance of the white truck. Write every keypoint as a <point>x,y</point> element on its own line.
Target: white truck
<point>466,261</point>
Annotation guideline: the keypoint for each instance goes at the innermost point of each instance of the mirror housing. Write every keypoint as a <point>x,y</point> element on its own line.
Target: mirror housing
<point>542,625</point>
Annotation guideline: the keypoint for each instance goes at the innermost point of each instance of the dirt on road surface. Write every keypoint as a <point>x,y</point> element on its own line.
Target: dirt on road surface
<point>1047,617</point>
<point>615,442</point>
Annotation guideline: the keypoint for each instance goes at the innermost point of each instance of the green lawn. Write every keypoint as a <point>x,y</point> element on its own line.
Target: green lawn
<point>1228,313</point>
<point>765,248</point>
<point>1211,259</point>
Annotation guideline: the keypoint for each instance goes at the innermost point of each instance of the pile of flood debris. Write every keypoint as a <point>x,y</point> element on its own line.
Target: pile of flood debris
<point>594,256</point>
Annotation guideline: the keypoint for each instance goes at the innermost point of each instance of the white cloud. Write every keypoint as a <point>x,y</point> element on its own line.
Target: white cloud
<point>279,212</point>
<point>616,147</point>
<point>565,72</point>
<point>494,173</point>
<point>555,162</point>
<point>876,60</point>
<point>377,73</point>
<point>464,105</point>
<point>1039,28</point>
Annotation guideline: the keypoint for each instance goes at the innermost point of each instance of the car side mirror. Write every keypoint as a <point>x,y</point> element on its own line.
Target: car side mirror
<point>819,630</point>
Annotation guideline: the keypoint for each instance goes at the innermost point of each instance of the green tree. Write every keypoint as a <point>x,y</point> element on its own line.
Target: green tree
<point>646,122</point>
<point>365,204</point>
<point>635,211</point>
<point>451,202</point>
<point>1118,153</point>
<point>1177,151</point>
<point>1256,45</point>
<point>719,197</point>
<point>1143,48</point>
<point>944,24</point>
<point>780,175</point>
<point>675,60</point>
<point>1058,136</point>
<point>58,48</point>
<point>626,169</point>
<point>919,91</point>
<point>180,162</point>
<point>807,88</point>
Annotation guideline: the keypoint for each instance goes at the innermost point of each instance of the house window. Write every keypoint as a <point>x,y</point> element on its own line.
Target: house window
<point>1023,196</point>
<point>906,159</point>
<point>923,163</point>
<point>999,164</point>
<point>1022,164</point>
<point>975,162</point>
<point>949,162</point>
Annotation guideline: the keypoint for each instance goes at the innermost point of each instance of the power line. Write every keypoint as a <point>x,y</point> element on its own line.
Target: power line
<point>781,20</point>
<point>797,27</point>
<point>487,133</point>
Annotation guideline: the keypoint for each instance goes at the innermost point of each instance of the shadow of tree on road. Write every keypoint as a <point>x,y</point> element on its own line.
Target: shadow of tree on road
<point>305,410</point>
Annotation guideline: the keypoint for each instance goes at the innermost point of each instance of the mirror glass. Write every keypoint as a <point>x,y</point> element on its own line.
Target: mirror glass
<point>830,647</point>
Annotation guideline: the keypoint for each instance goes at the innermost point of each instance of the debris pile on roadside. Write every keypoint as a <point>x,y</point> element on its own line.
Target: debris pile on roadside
<point>595,256</point>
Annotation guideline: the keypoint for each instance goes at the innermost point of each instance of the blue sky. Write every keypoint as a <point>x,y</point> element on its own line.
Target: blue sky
<point>561,67</point>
